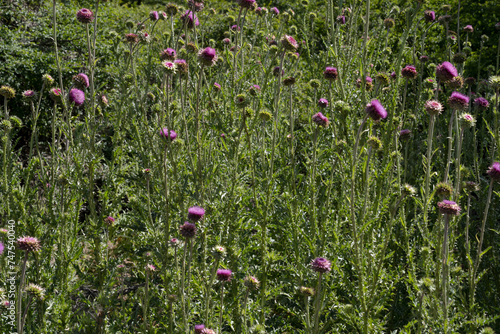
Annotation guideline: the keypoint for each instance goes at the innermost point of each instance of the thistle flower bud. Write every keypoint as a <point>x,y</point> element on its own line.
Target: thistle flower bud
<point>446,71</point>
<point>471,186</point>
<point>389,23</point>
<point>374,142</point>
<point>383,79</point>
<point>132,38</point>
<point>207,56</point>
<point>254,90</point>
<point>429,16</point>
<point>218,251</point>
<point>330,73</point>
<point>182,66</point>
<point>408,190</point>
<point>458,101</point>
<point>467,120</point>
<point>455,83</point>
<point>323,103</point>
<point>29,95</point>
<point>321,120</point>
<point>275,11</point>
<point>265,115</point>
<point>289,43</point>
<point>241,101</point>
<point>409,72</point>
<point>154,16</point>
<point>47,80</point>
<point>84,16</point>
<point>169,67</point>
<point>494,81</point>
<point>56,95</point>
<point>165,133</point>
<point>289,81</point>
<point>251,282</point>
<point>305,291</point>
<point>168,54</point>
<point>404,135</point>
<point>35,291</point>
<point>81,81</point>
<point>444,189</point>
<point>341,19</point>
<point>224,275</point>
<point>315,83</point>
<point>171,9</point>
<point>7,92</point>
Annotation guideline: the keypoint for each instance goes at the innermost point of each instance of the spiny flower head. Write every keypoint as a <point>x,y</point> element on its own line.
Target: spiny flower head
<point>76,96</point>
<point>446,71</point>
<point>341,19</point>
<point>275,11</point>
<point>169,66</point>
<point>7,92</point>
<point>471,186</point>
<point>383,79</point>
<point>429,16</point>
<point>494,171</point>
<point>481,104</point>
<point>261,11</point>
<point>468,28</point>
<point>375,110</point>
<point>56,94</point>
<point>469,81</point>
<point>224,275</point>
<point>456,83</point>
<point>35,291</point>
<point>320,120</point>
<point>47,80</point>
<point>109,220</point>
<point>369,83</point>
<point>198,328</point>
<point>433,107</point>
<point>265,115</point>
<point>219,251</point>
<point>81,80</point>
<point>305,291</point>
<point>241,101</point>
<point>389,23</point>
<point>84,16</point>
<point>248,4</point>
<point>331,73</point>
<point>467,120</point>
<point>289,43</point>
<point>195,213</point>
<point>165,133</point>
<point>207,56</point>
<point>171,9</point>
<point>190,19</point>
<point>207,331</point>
<point>182,66</point>
<point>315,83</point>
<point>408,190</point>
<point>29,95</point>
<point>217,87</point>
<point>405,134</point>
<point>447,207</point>
<point>443,189</point>
<point>423,58</point>
<point>374,142</point>
<point>174,242</point>
<point>188,230</point>
<point>132,38</point>
<point>254,90</point>
<point>251,282</point>
<point>322,103</point>
<point>153,15</point>
<point>458,101</point>
<point>150,268</point>
<point>168,54</point>
<point>409,72</point>
<point>29,244</point>
<point>321,265</point>
<point>495,82</point>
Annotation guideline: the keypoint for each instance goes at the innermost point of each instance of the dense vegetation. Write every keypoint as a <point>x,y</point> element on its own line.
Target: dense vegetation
<point>287,167</point>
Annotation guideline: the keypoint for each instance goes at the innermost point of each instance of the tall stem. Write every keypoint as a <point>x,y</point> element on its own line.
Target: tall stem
<point>450,140</point>
<point>20,294</point>
<point>445,270</point>
<point>318,302</point>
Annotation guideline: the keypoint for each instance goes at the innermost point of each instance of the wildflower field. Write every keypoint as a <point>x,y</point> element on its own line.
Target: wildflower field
<point>243,166</point>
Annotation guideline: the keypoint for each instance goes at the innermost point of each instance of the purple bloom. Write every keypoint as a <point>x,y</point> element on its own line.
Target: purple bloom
<point>81,80</point>
<point>207,56</point>
<point>188,230</point>
<point>458,101</point>
<point>109,220</point>
<point>77,96</point>
<point>1,248</point>
<point>320,120</point>
<point>85,16</point>
<point>28,244</point>
<point>321,265</point>
<point>247,3</point>
<point>481,103</point>
<point>153,15</point>
<point>226,41</point>
<point>393,75</point>
<point>433,107</point>
<point>405,134</point>
<point>447,207</point>
<point>195,213</point>
<point>182,65</point>
<point>446,71</point>
<point>375,110</point>
<point>224,275</point>
<point>289,43</point>
<point>254,90</point>
<point>468,28</point>
<point>323,103</point>
<point>429,16</point>
<point>217,87</point>
<point>168,54</point>
<point>207,331</point>
<point>198,328</point>
<point>494,171</point>
<point>424,59</point>
<point>331,73</point>
<point>190,19</point>
<point>29,95</point>
<point>276,71</point>
<point>165,133</point>
<point>409,72</point>
<point>341,19</point>
<point>275,11</point>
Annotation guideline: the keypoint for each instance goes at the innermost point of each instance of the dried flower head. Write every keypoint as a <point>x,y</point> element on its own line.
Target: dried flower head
<point>188,230</point>
<point>289,81</point>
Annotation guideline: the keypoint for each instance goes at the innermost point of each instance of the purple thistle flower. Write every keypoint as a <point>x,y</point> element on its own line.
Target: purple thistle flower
<point>393,75</point>
<point>224,275</point>
<point>375,110</point>
<point>168,54</point>
<point>234,27</point>
<point>447,207</point>
<point>28,244</point>
<point>481,104</point>
<point>446,71</point>
<point>85,16</point>
<point>321,265</point>
<point>132,38</point>
<point>165,133</point>
<point>494,171</point>
<point>468,28</point>
<point>190,19</point>
<point>331,73</point>
<point>182,65</point>
<point>429,16</point>
<point>188,230</point>
<point>1,248</point>
<point>409,72</point>
<point>254,90</point>
<point>109,220</point>
<point>198,328</point>
<point>29,95</point>
<point>341,19</point>
<point>226,41</point>
<point>207,331</point>
<point>77,96</point>
<point>405,134</point>
<point>249,4</point>
<point>195,213</point>
<point>81,80</point>
<point>207,56</point>
<point>424,58</point>
<point>217,87</point>
<point>322,103</point>
<point>289,43</point>
<point>458,101</point>
<point>433,107</point>
<point>320,120</point>
<point>275,11</point>
<point>153,15</point>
